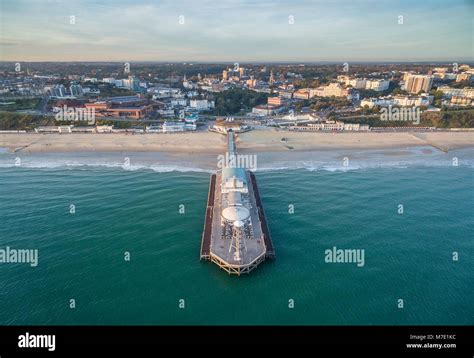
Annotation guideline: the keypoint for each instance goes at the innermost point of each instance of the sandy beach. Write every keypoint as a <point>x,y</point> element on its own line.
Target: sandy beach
<point>211,143</point>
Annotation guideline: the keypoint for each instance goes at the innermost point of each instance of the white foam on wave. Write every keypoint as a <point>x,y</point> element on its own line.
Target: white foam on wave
<point>166,168</point>
<point>144,163</point>
<point>80,165</point>
<point>335,167</point>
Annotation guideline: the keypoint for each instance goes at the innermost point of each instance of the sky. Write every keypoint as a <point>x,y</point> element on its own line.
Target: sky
<point>236,30</point>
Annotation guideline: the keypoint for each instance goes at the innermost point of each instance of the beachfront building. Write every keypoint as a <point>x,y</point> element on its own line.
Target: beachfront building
<point>54,129</point>
<point>224,125</point>
<point>330,126</point>
<point>154,129</point>
<point>191,118</point>
<point>72,129</point>
<point>104,129</point>
<point>83,130</point>
<point>356,127</point>
<point>172,127</point>
<point>321,126</point>
<point>117,107</point>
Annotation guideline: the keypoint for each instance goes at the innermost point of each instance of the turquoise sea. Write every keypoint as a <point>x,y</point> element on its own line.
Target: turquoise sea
<point>408,256</point>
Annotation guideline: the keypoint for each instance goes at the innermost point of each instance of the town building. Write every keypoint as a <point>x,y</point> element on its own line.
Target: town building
<point>275,101</point>
<point>54,129</point>
<point>177,102</point>
<point>456,101</point>
<point>417,83</point>
<point>287,94</point>
<point>301,117</point>
<point>377,85</point>
<point>465,76</point>
<point>364,83</point>
<point>267,110</point>
<point>303,93</point>
<point>201,104</point>
<point>116,107</point>
<point>400,100</point>
<point>170,127</point>
<point>252,82</point>
<point>132,83</point>
<point>76,90</point>
<point>332,89</point>
<point>224,125</point>
<point>467,92</point>
<point>334,126</point>
<point>57,91</point>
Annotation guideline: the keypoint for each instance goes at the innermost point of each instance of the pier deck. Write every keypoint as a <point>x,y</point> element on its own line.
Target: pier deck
<point>235,235</point>
<point>215,248</point>
<point>220,247</point>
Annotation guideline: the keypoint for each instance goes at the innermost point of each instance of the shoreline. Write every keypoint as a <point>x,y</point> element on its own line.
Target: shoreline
<point>258,141</point>
<point>269,154</point>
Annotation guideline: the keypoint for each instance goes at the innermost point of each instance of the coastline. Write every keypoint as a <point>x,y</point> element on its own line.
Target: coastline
<point>202,142</point>
<point>200,151</point>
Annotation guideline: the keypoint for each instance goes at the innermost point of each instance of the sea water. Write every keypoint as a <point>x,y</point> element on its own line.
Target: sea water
<point>120,245</point>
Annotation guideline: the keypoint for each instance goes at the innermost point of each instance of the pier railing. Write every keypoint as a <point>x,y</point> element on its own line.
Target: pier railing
<point>207,232</point>
<point>270,251</point>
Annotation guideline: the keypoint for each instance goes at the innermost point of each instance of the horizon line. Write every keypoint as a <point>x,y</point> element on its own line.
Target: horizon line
<point>470,61</point>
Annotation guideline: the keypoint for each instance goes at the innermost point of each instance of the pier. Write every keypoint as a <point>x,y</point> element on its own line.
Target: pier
<point>270,252</point>
<point>236,236</point>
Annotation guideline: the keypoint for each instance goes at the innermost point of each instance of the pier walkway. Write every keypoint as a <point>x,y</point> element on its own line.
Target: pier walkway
<point>236,235</point>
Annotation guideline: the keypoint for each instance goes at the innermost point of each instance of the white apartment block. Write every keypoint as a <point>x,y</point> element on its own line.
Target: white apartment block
<point>417,83</point>
<point>201,104</point>
<point>364,83</point>
<point>179,102</point>
<point>467,92</point>
<point>402,101</point>
<point>332,89</point>
<point>377,85</point>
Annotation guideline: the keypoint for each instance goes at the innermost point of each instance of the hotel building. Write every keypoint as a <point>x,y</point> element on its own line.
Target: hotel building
<point>417,83</point>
